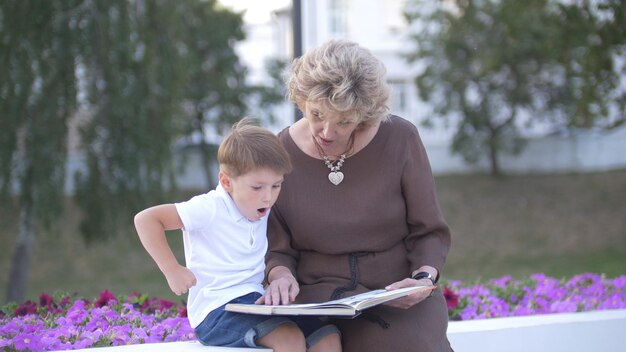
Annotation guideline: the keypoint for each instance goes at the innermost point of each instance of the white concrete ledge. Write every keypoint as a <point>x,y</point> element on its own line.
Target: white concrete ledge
<point>567,332</point>
<point>183,346</point>
<point>571,332</point>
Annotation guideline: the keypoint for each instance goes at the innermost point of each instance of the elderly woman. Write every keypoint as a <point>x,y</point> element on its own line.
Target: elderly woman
<point>359,212</point>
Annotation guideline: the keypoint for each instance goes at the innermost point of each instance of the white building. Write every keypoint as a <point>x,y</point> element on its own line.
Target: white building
<point>359,21</point>
<point>379,25</point>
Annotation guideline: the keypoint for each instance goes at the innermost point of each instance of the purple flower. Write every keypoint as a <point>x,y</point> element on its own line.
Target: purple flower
<point>139,335</point>
<point>28,342</point>
<point>4,342</point>
<point>120,335</point>
<point>77,312</point>
<point>614,301</point>
<point>564,307</point>
<point>65,301</point>
<point>619,283</point>
<point>469,313</point>
<point>521,311</point>
<point>501,282</point>
<point>76,323</point>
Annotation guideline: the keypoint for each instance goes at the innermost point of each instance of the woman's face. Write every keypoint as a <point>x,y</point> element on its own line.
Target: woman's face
<point>331,129</point>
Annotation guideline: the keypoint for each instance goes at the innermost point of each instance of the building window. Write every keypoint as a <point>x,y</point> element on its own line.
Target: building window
<point>394,15</point>
<point>399,96</point>
<point>337,17</point>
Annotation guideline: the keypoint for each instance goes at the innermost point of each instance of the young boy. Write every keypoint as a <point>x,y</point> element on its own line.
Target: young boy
<point>224,236</point>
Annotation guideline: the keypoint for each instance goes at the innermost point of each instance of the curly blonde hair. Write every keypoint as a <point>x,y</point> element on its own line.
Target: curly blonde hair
<point>344,76</point>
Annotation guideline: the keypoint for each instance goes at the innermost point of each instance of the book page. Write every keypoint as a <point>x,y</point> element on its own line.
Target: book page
<point>348,306</point>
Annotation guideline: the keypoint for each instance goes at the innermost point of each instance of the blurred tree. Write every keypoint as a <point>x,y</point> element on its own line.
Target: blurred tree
<point>216,89</point>
<point>591,50</point>
<point>142,72</point>
<point>216,94</point>
<point>38,46</point>
<point>267,96</point>
<point>493,66</point>
<point>134,78</point>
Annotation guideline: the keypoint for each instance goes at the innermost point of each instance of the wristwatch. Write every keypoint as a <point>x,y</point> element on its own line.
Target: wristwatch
<point>424,275</point>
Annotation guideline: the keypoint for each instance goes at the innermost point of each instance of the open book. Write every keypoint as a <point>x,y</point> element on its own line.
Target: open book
<point>344,307</point>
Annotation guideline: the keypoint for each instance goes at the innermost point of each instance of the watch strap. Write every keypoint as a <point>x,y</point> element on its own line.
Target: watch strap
<point>424,275</point>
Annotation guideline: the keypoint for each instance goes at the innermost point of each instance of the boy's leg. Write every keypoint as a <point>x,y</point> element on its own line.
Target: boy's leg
<point>222,328</point>
<point>285,338</point>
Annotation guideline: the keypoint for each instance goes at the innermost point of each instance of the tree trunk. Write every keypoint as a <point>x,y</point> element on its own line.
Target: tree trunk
<point>22,252</point>
<point>493,158</point>
<point>205,153</point>
<point>207,164</point>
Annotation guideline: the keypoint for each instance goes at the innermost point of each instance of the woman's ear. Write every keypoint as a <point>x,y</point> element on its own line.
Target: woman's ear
<point>301,104</point>
<point>225,181</point>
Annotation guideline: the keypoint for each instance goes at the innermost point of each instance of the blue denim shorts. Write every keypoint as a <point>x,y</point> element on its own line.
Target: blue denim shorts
<point>222,328</point>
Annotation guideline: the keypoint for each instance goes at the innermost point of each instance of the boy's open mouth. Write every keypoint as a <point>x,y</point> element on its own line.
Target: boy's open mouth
<point>261,211</point>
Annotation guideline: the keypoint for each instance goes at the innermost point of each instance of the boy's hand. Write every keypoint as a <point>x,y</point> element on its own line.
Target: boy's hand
<point>282,290</point>
<point>180,279</point>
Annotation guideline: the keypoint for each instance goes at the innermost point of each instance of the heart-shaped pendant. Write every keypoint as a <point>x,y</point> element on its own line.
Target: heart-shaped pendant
<point>335,177</point>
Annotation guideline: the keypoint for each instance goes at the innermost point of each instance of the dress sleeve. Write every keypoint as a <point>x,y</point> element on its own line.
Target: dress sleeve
<point>428,241</point>
<point>280,252</point>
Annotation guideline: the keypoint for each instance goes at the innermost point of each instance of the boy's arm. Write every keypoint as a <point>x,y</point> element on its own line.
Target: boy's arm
<point>151,225</point>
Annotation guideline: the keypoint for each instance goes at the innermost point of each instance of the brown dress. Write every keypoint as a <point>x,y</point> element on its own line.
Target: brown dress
<point>377,226</point>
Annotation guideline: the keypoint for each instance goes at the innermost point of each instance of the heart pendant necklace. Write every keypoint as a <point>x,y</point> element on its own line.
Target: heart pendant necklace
<point>335,176</point>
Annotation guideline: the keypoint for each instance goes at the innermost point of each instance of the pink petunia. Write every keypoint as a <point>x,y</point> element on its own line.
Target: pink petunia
<point>45,300</point>
<point>452,299</point>
<point>28,307</point>
<point>182,313</point>
<point>104,298</point>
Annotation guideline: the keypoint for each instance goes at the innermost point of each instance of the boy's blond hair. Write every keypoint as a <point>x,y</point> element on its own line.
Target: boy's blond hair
<point>249,147</point>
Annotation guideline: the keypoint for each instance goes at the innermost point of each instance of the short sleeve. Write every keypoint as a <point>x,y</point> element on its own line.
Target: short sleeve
<point>198,212</point>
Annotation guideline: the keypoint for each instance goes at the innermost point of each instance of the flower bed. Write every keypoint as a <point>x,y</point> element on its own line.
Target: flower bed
<point>69,322</point>
<point>64,322</point>
<point>539,294</point>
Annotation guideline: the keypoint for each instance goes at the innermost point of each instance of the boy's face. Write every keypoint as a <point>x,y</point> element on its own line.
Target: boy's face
<point>254,192</point>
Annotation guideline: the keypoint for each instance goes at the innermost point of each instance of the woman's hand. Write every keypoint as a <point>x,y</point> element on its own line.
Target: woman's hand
<point>412,299</point>
<point>283,287</point>
<point>415,298</point>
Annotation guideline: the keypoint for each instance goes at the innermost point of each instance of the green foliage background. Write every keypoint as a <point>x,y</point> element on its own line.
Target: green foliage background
<point>561,225</point>
<point>133,76</point>
<point>494,67</point>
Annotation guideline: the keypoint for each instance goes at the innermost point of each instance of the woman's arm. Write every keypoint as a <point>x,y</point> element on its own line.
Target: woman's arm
<point>428,241</point>
<point>281,262</point>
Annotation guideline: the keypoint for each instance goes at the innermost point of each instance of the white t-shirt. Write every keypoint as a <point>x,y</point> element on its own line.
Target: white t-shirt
<point>223,249</point>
